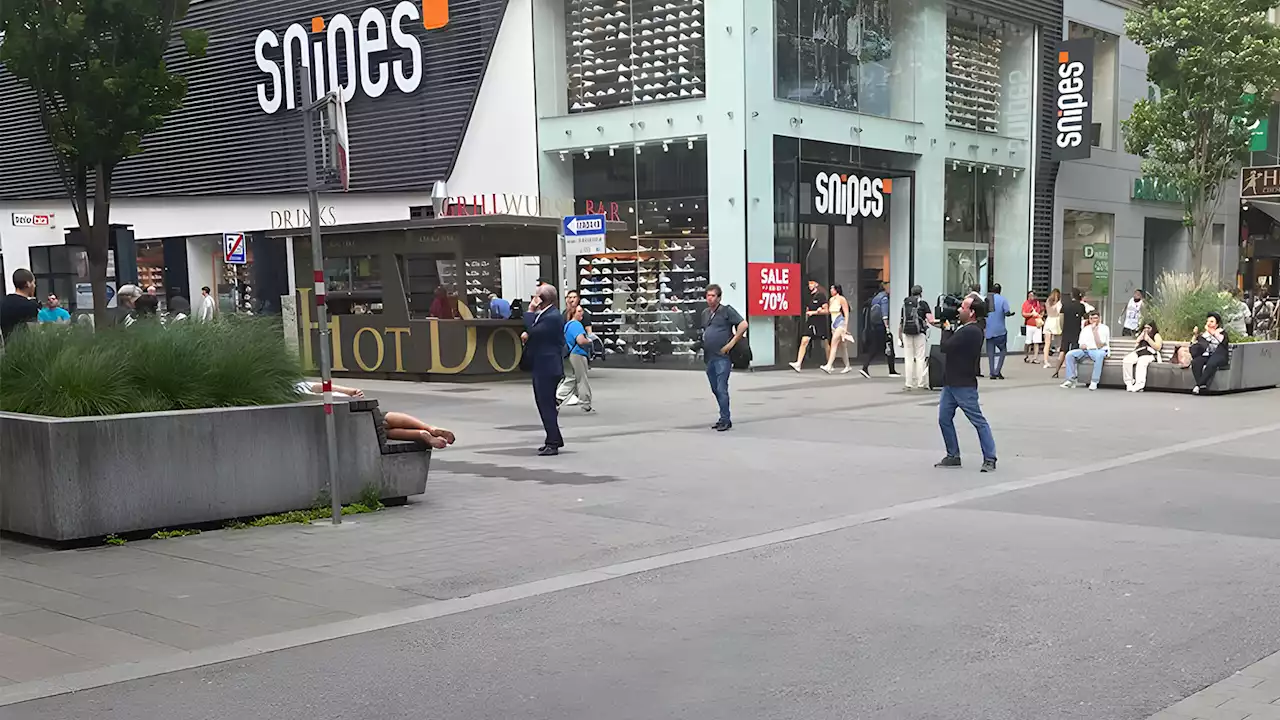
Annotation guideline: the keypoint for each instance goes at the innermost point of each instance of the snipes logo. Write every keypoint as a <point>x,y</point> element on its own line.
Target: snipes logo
<point>363,54</point>
<point>1073,103</point>
<point>850,195</point>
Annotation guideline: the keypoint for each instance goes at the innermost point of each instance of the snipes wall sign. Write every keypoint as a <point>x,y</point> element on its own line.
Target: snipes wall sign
<point>372,52</point>
<point>849,195</point>
<point>1073,98</point>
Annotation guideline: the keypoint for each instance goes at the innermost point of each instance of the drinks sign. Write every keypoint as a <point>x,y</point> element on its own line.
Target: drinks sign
<point>773,289</point>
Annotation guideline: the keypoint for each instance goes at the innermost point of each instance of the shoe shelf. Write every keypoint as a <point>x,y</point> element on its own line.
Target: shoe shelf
<point>973,91</point>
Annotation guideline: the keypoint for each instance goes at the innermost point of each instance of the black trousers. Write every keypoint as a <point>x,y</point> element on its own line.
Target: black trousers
<point>877,340</point>
<point>1203,369</point>
<point>544,394</point>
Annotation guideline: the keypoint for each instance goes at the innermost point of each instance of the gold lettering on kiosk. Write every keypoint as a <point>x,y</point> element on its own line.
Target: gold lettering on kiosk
<point>307,326</point>
<point>515,342</point>
<point>437,365</point>
<point>395,332</point>
<point>377,341</point>
<point>336,330</point>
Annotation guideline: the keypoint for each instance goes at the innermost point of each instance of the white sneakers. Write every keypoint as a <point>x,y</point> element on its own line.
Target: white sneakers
<point>1070,384</point>
<point>1093,386</point>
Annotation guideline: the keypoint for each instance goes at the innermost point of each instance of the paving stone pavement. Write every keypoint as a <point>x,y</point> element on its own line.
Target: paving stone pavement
<point>639,478</point>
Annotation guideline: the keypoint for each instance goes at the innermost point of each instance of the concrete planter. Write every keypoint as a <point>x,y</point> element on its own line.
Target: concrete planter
<point>73,478</point>
<point>1253,366</point>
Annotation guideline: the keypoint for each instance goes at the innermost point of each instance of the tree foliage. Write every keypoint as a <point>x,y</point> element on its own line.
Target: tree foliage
<point>1208,59</point>
<point>98,72</point>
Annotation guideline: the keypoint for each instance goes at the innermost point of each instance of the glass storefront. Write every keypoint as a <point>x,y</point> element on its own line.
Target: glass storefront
<point>645,291</point>
<point>633,52</point>
<point>846,54</point>
<point>839,212</point>
<point>1086,257</point>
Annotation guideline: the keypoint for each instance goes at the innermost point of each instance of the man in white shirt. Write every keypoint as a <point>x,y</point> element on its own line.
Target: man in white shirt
<point>1095,343</point>
<point>204,312</point>
<point>1133,314</point>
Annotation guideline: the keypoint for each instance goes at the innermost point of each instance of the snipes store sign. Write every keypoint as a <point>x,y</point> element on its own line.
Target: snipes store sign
<point>1073,99</point>
<point>850,196</point>
<point>363,49</point>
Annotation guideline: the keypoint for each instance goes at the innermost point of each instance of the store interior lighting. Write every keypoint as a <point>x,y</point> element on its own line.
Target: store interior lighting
<point>665,147</point>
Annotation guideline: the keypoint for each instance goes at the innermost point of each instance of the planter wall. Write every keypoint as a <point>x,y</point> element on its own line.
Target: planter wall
<point>68,479</point>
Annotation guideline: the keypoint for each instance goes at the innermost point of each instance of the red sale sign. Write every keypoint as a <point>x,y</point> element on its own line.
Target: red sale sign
<point>773,289</point>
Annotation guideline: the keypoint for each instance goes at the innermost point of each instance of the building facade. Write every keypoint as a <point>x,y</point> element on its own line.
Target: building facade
<point>874,141</point>
<point>1114,230</point>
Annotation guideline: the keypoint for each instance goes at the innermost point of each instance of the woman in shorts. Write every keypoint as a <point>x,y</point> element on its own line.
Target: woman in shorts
<point>1052,322</point>
<point>838,307</point>
<point>1033,313</point>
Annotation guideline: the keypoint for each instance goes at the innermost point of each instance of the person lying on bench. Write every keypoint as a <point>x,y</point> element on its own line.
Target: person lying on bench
<point>1209,352</point>
<point>1095,344</point>
<point>399,426</point>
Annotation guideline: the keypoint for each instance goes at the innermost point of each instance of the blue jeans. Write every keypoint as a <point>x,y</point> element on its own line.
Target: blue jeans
<point>996,361</point>
<point>1077,355</point>
<point>718,369</point>
<point>965,398</point>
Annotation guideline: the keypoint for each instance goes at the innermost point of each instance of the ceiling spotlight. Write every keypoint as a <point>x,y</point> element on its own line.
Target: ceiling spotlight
<point>638,146</point>
<point>561,157</point>
<point>664,146</point>
<point>586,153</point>
<point>611,149</point>
<point>690,143</point>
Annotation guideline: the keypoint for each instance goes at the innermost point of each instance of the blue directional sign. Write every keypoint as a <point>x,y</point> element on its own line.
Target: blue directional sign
<point>583,225</point>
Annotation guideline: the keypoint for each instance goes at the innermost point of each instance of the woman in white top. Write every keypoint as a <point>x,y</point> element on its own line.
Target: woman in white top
<point>399,426</point>
<point>1052,321</point>
<point>838,307</point>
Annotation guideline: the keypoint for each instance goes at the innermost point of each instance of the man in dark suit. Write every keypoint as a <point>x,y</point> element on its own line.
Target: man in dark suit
<point>545,347</point>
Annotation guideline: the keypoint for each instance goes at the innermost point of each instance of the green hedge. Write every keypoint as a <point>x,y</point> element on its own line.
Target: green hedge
<point>1182,301</point>
<point>73,371</point>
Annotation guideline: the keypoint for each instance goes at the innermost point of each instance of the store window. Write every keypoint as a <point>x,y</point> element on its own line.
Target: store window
<point>54,269</point>
<point>632,52</point>
<point>1105,60</point>
<point>646,290</point>
<point>1086,257</point>
<point>985,213</point>
<point>990,77</point>
<point>846,54</point>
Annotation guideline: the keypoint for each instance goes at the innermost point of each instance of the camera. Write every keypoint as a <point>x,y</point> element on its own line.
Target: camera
<point>947,308</point>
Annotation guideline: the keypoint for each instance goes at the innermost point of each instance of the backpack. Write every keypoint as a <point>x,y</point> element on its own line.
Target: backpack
<point>911,316</point>
<point>874,313</point>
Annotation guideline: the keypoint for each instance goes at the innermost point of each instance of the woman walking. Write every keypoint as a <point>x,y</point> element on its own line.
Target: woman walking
<point>1052,322</point>
<point>838,307</point>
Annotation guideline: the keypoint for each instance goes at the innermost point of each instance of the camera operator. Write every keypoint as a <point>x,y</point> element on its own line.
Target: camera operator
<point>960,386</point>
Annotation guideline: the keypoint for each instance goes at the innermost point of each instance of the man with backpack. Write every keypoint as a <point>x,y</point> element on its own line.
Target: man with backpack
<point>875,332</point>
<point>913,335</point>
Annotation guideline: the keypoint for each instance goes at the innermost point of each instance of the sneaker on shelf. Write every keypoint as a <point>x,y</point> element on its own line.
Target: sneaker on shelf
<point>690,258</point>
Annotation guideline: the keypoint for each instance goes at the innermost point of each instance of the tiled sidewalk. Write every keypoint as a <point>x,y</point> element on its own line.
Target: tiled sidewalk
<point>1251,694</point>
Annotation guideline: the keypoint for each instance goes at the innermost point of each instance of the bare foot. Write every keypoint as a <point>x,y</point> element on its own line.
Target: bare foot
<point>444,434</point>
<point>436,442</point>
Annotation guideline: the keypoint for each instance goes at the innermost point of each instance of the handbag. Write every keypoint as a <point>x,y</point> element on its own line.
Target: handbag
<point>740,355</point>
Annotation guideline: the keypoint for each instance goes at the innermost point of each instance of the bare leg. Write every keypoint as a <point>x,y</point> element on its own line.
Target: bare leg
<point>837,340</point>
<point>413,428</point>
<point>804,345</point>
<point>421,436</point>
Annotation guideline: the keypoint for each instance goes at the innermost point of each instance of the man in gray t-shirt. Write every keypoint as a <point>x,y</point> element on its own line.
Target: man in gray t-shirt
<point>722,329</point>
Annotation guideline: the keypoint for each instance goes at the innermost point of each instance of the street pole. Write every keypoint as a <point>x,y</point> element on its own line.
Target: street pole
<point>322,312</point>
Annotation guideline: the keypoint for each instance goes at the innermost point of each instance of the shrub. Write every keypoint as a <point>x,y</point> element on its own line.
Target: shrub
<point>1182,301</point>
<point>73,371</point>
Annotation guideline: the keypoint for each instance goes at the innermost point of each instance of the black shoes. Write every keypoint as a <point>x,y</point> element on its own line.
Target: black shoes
<point>722,426</point>
<point>548,451</point>
<point>950,461</point>
<point>989,465</point>
<point>997,377</point>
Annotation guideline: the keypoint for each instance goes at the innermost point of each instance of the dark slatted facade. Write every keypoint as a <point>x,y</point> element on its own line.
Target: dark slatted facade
<point>222,142</point>
<point>1047,14</point>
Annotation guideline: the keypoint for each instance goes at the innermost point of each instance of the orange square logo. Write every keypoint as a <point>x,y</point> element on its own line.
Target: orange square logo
<point>888,185</point>
<point>1064,57</point>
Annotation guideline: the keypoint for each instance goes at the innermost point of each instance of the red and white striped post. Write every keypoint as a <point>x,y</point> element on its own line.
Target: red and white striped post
<point>322,311</point>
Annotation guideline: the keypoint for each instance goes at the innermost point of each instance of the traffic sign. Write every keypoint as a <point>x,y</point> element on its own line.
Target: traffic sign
<point>582,225</point>
<point>233,249</point>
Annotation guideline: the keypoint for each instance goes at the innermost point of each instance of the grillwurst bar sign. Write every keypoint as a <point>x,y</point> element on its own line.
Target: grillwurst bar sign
<point>1073,100</point>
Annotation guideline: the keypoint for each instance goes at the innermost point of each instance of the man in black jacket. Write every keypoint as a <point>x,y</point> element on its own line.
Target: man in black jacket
<point>544,344</point>
<point>960,388</point>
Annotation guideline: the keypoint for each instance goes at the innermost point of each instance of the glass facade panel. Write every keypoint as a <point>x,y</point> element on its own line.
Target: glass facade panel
<point>846,54</point>
<point>990,79</point>
<point>632,52</point>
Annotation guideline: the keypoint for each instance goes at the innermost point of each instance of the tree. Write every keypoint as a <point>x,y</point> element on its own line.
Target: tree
<point>97,70</point>
<point>1216,66</point>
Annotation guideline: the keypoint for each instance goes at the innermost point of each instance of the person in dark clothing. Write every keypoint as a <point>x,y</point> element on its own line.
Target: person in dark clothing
<point>875,333</point>
<point>19,308</point>
<point>1209,352</point>
<point>544,344</point>
<point>1073,314</point>
<point>960,389</point>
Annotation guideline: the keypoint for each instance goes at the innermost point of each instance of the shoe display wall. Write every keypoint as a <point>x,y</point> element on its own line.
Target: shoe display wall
<point>625,52</point>
<point>973,75</point>
<point>836,53</point>
<point>645,299</point>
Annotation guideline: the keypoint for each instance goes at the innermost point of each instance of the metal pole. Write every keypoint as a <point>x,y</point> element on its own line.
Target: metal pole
<point>322,314</point>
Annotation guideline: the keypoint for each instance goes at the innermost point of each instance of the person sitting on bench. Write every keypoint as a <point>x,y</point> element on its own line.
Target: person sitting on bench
<point>1095,344</point>
<point>1209,352</point>
<point>399,426</point>
<point>1147,352</point>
